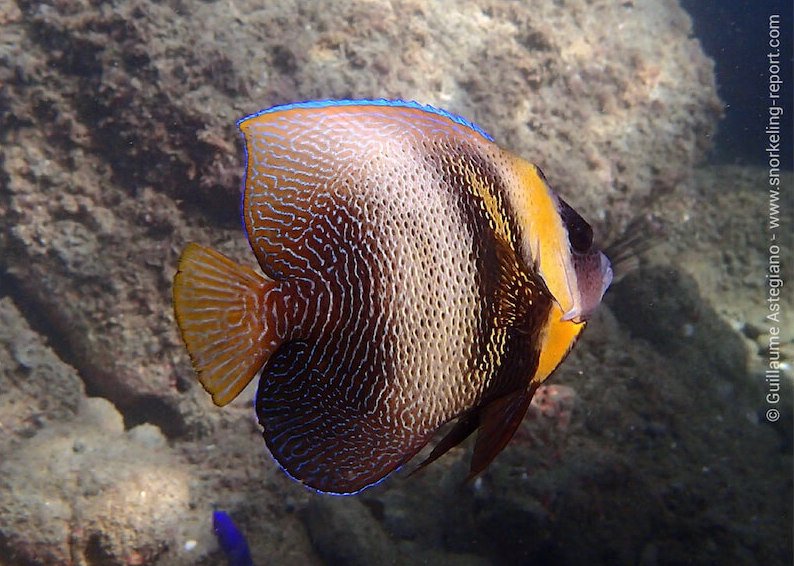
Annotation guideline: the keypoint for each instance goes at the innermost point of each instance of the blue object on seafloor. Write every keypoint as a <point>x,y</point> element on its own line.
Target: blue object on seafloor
<point>232,541</point>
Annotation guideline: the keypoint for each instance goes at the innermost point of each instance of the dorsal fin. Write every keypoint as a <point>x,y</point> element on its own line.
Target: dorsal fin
<point>407,104</point>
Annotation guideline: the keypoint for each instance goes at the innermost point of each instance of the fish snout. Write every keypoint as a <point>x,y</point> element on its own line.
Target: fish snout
<point>594,276</point>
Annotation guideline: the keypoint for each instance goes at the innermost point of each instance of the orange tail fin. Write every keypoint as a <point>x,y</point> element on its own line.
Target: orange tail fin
<point>220,310</point>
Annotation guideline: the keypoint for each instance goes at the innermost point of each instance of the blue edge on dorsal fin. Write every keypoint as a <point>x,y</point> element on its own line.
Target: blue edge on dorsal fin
<point>355,102</point>
<point>373,102</point>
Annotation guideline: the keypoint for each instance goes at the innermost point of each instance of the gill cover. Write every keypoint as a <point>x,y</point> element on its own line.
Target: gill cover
<point>559,242</point>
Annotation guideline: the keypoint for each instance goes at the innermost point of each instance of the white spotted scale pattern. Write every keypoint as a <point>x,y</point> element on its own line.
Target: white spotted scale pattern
<point>373,248</point>
<point>416,273</point>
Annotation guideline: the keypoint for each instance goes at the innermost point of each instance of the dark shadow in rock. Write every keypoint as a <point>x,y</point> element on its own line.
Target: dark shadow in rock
<point>663,306</point>
<point>154,410</point>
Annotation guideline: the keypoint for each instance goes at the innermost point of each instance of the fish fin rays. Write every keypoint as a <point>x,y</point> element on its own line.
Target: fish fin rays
<point>496,424</point>
<point>323,426</point>
<point>220,309</point>
<point>499,421</point>
<point>461,430</point>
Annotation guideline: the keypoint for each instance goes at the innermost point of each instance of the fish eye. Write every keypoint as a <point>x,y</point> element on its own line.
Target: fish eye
<point>580,234</point>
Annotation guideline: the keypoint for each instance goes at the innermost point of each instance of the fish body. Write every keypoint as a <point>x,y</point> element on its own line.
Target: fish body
<point>232,542</point>
<point>414,273</point>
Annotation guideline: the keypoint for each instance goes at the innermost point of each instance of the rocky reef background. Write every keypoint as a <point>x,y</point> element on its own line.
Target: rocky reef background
<point>118,146</point>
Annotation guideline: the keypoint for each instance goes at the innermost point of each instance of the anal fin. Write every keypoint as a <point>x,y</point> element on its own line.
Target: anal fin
<point>220,307</point>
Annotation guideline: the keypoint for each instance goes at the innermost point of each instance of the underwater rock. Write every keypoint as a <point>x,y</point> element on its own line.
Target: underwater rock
<point>659,304</point>
<point>663,305</point>
<point>662,445</point>
<point>36,387</point>
<point>626,81</point>
<point>85,491</point>
<point>119,144</point>
<point>344,531</point>
<point>83,260</point>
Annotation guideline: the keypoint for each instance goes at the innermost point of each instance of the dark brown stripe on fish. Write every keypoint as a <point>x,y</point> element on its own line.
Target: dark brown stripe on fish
<point>322,388</point>
<point>515,301</point>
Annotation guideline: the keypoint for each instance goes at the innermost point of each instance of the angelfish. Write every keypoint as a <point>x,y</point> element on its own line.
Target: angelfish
<point>414,273</point>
